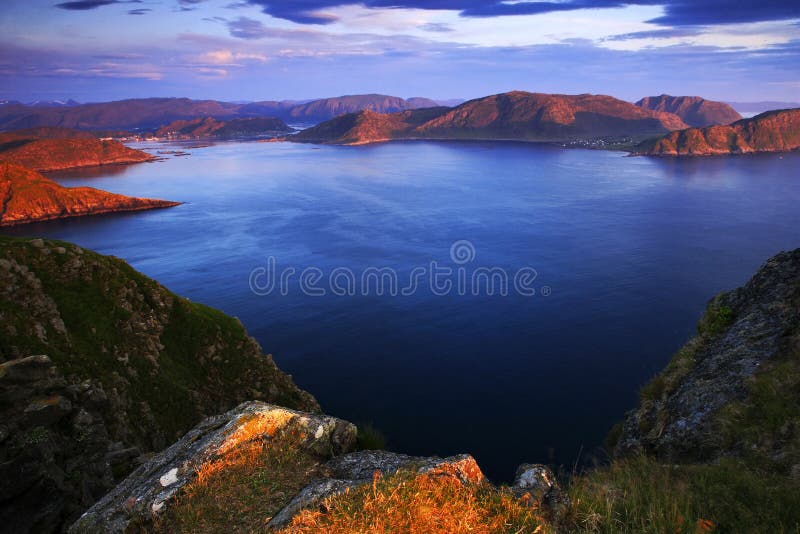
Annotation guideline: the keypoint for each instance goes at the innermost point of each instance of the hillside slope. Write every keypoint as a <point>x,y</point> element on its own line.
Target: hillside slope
<point>129,368</point>
<point>51,149</point>
<point>27,196</point>
<point>773,131</point>
<point>210,127</point>
<point>509,116</point>
<point>693,110</point>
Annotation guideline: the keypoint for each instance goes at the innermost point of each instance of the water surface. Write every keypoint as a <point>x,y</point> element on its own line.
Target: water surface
<point>630,248</point>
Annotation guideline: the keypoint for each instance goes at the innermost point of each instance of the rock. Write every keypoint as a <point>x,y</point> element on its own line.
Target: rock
<point>359,468</point>
<point>743,332</point>
<point>537,485</point>
<point>52,463</point>
<point>151,488</point>
<point>23,370</point>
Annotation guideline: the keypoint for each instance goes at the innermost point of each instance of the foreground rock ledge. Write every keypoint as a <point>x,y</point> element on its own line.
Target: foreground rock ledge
<point>151,489</point>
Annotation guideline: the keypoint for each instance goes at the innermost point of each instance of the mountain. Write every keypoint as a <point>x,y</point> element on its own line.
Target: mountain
<point>509,116</point>
<point>210,127</point>
<point>328,108</point>
<point>773,131</point>
<point>49,149</point>
<point>694,110</point>
<point>153,113</point>
<point>27,196</point>
<point>99,366</point>
<point>53,103</point>
<point>123,114</point>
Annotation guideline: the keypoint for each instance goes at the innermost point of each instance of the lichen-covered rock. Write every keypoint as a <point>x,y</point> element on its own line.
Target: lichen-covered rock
<point>358,468</point>
<point>742,339</point>
<point>150,490</point>
<point>537,485</point>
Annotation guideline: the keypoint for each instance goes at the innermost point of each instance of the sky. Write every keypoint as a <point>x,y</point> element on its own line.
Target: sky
<point>249,50</point>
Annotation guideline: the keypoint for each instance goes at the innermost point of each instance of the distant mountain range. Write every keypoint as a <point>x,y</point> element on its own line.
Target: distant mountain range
<point>508,116</point>
<point>693,110</point>
<point>152,113</point>
<point>773,131</point>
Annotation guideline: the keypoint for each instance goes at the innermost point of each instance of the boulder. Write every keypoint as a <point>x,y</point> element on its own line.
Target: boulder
<point>152,488</point>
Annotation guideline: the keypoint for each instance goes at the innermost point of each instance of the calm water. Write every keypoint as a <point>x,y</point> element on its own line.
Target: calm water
<point>631,249</point>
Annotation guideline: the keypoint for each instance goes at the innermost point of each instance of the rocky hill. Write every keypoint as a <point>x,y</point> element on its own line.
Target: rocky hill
<point>209,127</point>
<point>51,149</point>
<point>773,131</point>
<point>734,389</point>
<point>509,116</point>
<point>693,110</point>
<point>27,196</point>
<point>99,365</point>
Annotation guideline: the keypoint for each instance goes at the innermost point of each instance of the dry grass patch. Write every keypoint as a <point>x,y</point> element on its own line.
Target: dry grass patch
<point>243,489</point>
<point>420,504</point>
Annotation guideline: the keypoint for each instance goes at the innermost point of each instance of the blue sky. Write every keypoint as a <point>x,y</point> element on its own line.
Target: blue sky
<point>96,50</point>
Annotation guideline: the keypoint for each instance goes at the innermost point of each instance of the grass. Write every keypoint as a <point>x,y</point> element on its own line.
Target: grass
<point>410,503</point>
<point>370,438</point>
<point>641,495</point>
<point>242,490</point>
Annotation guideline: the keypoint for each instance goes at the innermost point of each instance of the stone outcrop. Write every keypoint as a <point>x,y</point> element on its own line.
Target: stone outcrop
<point>27,196</point>
<point>773,131</point>
<point>714,397</point>
<point>130,367</point>
<point>152,488</point>
<point>516,116</point>
<point>693,110</point>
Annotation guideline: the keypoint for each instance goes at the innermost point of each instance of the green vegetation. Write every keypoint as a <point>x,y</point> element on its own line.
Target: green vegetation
<point>370,438</point>
<point>644,496</point>
<point>172,361</point>
<point>716,319</point>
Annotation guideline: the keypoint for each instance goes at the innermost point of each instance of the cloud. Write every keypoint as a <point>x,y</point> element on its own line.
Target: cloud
<point>676,12</point>
<point>230,58</point>
<point>247,28</point>
<point>437,27</point>
<point>666,33</point>
<point>141,11</point>
<point>84,5</point>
